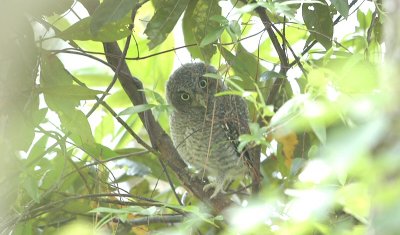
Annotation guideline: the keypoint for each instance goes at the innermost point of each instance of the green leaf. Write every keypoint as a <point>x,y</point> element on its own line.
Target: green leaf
<point>136,109</point>
<point>342,6</point>
<point>70,91</point>
<point>54,75</point>
<point>54,172</point>
<point>246,8</point>
<point>318,20</point>
<point>164,21</point>
<point>37,149</point>
<point>153,163</point>
<point>25,228</point>
<point>105,128</point>
<point>197,24</point>
<point>133,168</point>
<point>268,75</point>
<point>157,97</point>
<point>31,187</point>
<point>110,11</point>
<point>111,32</point>
<point>355,199</point>
<point>98,150</point>
<point>234,30</point>
<point>220,19</point>
<point>244,64</point>
<point>212,36</point>
<point>39,116</point>
<point>75,121</point>
<point>53,72</point>
<point>284,8</point>
<point>364,19</point>
<point>141,188</point>
<point>291,108</point>
<point>320,131</point>
<point>258,135</point>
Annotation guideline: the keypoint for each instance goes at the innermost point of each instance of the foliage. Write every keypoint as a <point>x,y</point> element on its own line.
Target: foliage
<point>78,157</point>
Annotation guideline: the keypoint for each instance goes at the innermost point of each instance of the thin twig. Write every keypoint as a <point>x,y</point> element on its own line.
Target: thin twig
<point>117,70</point>
<point>171,184</point>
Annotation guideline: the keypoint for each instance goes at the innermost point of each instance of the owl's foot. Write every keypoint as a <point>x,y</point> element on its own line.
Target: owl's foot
<point>218,188</point>
<point>218,185</point>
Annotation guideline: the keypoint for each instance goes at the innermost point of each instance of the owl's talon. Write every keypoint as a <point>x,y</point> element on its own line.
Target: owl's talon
<point>218,188</point>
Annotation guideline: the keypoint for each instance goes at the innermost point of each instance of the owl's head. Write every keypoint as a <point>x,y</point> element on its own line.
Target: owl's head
<point>188,89</point>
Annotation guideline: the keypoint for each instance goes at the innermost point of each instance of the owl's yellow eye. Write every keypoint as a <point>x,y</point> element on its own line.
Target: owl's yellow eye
<point>203,83</point>
<point>185,96</point>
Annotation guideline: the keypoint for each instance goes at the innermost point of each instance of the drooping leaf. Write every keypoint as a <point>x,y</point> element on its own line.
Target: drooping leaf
<point>99,151</point>
<point>364,19</point>
<point>37,149</point>
<point>54,75</point>
<point>197,25</point>
<point>74,121</point>
<point>106,127</point>
<point>151,161</point>
<point>77,124</point>
<point>141,188</point>
<point>234,30</point>
<point>164,20</point>
<point>110,32</point>
<point>39,116</point>
<point>269,75</point>
<point>245,65</point>
<point>355,199</point>
<point>30,184</point>
<point>110,11</point>
<point>133,168</point>
<point>212,37</point>
<point>319,23</point>
<point>54,171</point>
<point>342,6</point>
<point>155,95</point>
<point>319,131</point>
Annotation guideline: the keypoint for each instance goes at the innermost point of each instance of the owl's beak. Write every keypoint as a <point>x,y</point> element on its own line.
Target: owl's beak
<point>200,100</point>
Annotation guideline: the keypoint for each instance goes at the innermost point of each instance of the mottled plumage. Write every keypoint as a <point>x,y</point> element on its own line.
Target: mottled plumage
<point>204,127</point>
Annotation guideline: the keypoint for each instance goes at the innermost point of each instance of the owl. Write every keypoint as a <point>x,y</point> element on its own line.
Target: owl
<point>205,128</point>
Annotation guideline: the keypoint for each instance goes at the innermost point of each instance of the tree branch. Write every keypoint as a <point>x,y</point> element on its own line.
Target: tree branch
<point>160,140</point>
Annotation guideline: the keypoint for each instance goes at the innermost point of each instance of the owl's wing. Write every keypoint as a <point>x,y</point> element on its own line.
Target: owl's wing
<point>235,123</point>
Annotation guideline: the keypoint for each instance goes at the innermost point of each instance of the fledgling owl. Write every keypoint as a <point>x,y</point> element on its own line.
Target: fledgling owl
<point>205,128</point>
